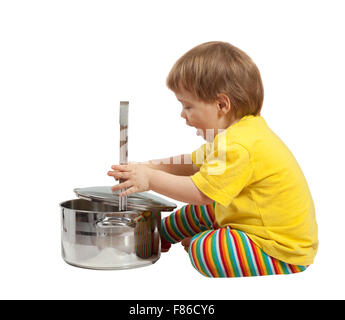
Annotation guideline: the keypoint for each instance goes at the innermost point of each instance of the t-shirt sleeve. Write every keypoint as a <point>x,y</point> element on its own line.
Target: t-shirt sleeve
<point>224,173</point>
<point>199,156</point>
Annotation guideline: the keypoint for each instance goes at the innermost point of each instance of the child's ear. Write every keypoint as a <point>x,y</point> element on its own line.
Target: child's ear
<point>223,103</point>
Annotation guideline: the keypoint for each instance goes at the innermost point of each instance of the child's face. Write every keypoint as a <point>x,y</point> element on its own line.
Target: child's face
<point>203,116</point>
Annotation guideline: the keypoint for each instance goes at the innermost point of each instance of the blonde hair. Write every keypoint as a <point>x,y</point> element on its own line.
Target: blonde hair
<point>212,68</point>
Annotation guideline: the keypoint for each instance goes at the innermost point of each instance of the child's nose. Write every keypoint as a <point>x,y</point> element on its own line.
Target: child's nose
<point>183,115</point>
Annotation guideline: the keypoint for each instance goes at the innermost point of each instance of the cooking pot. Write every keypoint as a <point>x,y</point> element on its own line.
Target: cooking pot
<point>97,235</point>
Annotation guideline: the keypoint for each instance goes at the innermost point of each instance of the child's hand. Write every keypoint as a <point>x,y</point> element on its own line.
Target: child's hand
<point>136,177</point>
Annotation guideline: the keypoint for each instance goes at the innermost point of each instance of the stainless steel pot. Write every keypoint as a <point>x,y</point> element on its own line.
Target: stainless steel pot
<point>96,235</point>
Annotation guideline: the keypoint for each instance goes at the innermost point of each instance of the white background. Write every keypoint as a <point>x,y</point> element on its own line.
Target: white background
<point>64,67</point>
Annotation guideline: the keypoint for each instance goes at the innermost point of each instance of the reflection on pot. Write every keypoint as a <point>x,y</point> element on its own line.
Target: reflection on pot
<point>143,234</point>
<point>115,232</point>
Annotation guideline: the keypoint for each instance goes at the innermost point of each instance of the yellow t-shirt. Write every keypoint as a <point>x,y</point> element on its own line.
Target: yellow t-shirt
<point>259,189</point>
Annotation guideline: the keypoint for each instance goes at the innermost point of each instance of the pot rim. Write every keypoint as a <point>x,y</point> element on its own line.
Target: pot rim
<point>104,212</point>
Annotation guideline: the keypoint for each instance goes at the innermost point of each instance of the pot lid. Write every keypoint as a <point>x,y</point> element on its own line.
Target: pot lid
<point>139,200</point>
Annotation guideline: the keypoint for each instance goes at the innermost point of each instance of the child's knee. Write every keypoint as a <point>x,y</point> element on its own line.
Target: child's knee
<point>195,254</point>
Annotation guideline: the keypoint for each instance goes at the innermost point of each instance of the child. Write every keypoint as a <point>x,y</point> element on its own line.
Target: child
<point>249,208</point>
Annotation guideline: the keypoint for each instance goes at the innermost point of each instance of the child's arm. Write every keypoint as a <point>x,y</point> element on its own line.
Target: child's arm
<point>179,165</point>
<point>179,188</point>
<point>140,178</point>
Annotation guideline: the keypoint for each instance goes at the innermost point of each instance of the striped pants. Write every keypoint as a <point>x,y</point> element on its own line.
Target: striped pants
<point>219,252</point>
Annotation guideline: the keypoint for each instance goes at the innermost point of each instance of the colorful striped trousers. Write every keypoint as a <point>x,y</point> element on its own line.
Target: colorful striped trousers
<point>220,252</point>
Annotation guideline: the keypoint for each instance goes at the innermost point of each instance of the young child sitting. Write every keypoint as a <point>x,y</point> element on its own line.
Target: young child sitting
<point>249,210</point>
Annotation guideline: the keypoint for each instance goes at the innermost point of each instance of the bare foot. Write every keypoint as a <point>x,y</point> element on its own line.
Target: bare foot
<point>186,242</point>
<point>165,245</point>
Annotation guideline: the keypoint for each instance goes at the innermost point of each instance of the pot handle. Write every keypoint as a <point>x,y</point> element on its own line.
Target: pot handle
<point>110,222</point>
